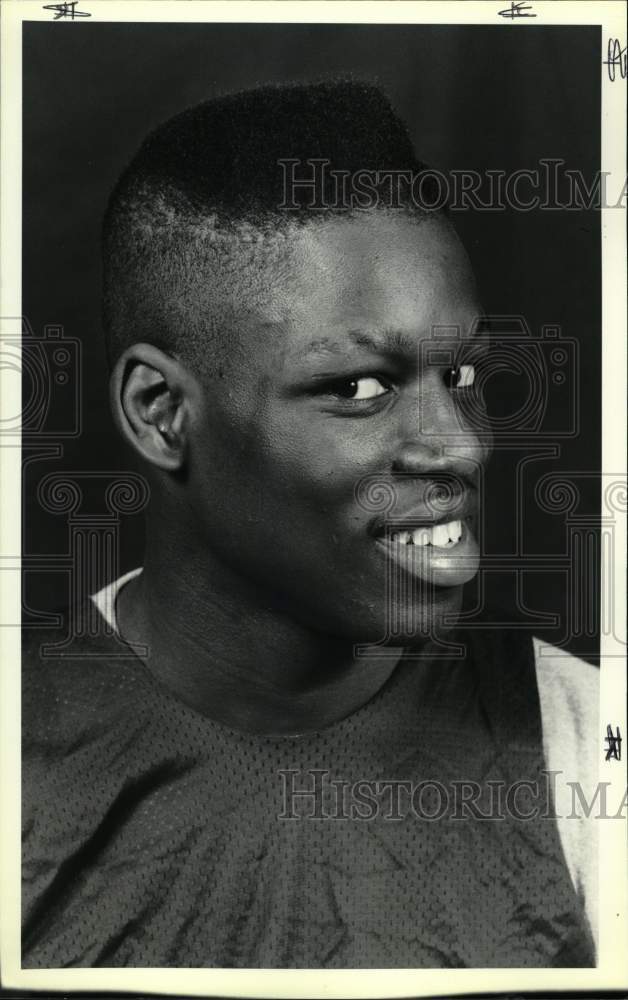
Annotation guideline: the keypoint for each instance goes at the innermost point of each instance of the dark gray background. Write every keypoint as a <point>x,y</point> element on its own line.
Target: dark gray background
<point>474,97</point>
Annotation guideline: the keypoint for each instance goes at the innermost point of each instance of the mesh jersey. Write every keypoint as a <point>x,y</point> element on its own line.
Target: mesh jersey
<point>154,836</point>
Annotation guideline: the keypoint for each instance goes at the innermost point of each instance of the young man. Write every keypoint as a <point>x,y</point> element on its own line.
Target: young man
<point>272,367</point>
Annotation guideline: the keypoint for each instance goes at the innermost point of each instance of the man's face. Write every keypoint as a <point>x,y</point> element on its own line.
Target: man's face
<point>329,390</point>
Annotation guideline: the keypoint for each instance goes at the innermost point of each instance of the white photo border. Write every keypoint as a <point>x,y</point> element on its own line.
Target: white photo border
<point>612,969</point>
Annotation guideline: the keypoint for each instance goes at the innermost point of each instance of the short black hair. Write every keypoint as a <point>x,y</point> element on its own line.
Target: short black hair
<point>207,184</point>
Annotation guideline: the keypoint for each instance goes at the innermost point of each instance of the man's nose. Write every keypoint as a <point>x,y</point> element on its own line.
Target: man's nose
<point>435,437</point>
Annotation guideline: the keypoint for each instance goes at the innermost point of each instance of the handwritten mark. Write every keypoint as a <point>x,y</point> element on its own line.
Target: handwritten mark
<point>614,743</point>
<point>616,58</point>
<point>517,9</point>
<point>66,10</point>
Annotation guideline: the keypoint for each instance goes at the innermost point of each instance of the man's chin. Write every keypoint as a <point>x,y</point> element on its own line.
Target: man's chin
<point>398,623</point>
<point>404,625</point>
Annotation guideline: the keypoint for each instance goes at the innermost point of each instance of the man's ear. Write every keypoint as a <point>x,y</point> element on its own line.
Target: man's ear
<point>152,395</point>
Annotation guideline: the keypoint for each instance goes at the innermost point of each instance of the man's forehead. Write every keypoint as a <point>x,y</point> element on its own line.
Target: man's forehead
<point>328,293</point>
<point>371,268</point>
<point>373,235</point>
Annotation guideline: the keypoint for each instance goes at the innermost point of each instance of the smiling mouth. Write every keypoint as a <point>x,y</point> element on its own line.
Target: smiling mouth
<point>444,554</point>
<point>441,536</point>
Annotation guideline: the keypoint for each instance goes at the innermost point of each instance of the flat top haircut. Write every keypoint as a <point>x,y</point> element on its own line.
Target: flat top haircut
<point>202,197</point>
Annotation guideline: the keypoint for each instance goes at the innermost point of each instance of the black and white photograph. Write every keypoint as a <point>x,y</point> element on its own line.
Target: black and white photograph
<point>313,433</point>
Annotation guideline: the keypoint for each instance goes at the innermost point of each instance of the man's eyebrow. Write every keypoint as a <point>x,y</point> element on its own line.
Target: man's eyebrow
<point>387,342</point>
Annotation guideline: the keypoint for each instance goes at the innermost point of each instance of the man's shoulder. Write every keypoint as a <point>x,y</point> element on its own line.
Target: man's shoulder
<point>568,688</point>
<point>569,699</point>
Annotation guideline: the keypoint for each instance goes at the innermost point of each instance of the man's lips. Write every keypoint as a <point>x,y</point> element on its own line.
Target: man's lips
<point>438,547</point>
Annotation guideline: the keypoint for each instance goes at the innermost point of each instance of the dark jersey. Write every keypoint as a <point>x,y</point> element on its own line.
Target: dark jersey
<point>154,836</point>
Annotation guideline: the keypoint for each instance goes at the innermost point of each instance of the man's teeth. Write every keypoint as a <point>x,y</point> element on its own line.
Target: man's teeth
<point>443,536</point>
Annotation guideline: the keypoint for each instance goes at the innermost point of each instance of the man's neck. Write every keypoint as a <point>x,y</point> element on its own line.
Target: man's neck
<point>237,659</point>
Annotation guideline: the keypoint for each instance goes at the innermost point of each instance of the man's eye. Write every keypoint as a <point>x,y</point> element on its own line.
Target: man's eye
<point>359,388</point>
<point>461,377</point>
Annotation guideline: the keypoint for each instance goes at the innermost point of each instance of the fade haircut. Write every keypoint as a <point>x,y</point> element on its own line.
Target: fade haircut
<point>195,215</point>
